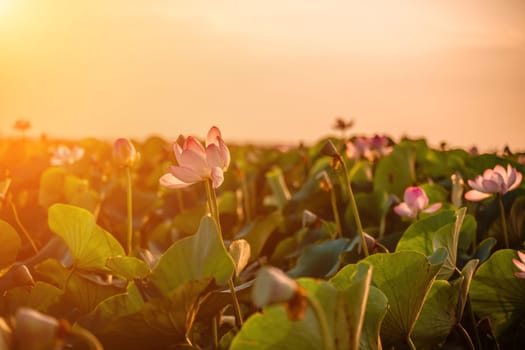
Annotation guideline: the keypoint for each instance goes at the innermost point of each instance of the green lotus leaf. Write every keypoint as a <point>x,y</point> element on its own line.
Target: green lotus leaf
<point>51,188</point>
<point>272,329</point>
<point>396,172</point>
<point>405,278</point>
<point>83,291</point>
<point>128,267</point>
<point>376,309</point>
<point>438,315</point>
<point>258,232</point>
<point>350,315</point>
<point>496,293</point>
<point>90,244</point>
<point>448,238</point>
<point>199,256</point>
<point>42,296</point>
<point>419,235</point>
<point>131,321</point>
<point>319,260</point>
<point>9,244</point>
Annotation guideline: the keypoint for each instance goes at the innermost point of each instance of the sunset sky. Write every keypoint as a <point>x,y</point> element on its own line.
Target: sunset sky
<point>264,71</point>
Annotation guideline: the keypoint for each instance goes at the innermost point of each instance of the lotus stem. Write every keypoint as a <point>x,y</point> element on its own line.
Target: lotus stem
<point>503,221</point>
<point>467,337</point>
<point>246,198</point>
<point>214,209</point>
<point>129,201</point>
<point>411,344</point>
<point>335,210</point>
<point>472,318</point>
<point>215,332</point>
<point>323,325</point>
<point>353,205</point>
<point>22,227</point>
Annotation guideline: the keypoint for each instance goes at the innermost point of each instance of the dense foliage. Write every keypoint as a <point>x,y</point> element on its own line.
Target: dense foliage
<point>432,278</point>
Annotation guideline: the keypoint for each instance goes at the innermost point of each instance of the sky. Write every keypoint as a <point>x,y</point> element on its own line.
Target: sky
<point>266,71</point>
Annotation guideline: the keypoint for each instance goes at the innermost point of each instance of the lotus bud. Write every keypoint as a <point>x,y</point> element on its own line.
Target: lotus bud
<point>124,152</point>
<point>35,331</point>
<point>457,189</point>
<point>324,181</point>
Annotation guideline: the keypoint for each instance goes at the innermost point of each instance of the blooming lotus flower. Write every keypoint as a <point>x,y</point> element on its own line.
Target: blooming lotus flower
<point>368,147</point>
<point>416,200</point>
<point>196,163</point>
<point>64,155</point>
<point>497,180</point>
<point>520,264</point>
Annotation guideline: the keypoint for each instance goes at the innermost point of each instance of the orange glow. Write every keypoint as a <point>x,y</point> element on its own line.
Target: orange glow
<point>267,71</point>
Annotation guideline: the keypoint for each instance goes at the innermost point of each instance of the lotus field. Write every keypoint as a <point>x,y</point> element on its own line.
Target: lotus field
<point>354,242</point>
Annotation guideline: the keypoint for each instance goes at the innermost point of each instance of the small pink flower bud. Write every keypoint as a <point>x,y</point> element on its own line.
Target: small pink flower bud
<point>124,152</point>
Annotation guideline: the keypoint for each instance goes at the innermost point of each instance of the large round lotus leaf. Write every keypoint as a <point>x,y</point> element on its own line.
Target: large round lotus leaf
<point>376,308</point>
<point>199,256</point>
<point>419,235</point>
<point>128,267</point>
<point>82,291</point>
<point>496,293</point>
<point>135,321</point>
<point>320,260</point>
<point>51,188</point>
<point>405,278</point>
<point>438,315</point>
<point>90,244</point>
<point>42,296</point>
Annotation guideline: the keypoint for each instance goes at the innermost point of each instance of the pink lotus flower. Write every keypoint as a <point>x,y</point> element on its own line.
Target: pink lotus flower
<point>497,180</point>
<point>64,155</point>
<point>196,163</point>
<point>416,200</point>
<point>368,147</point>
<point>520,265</point>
